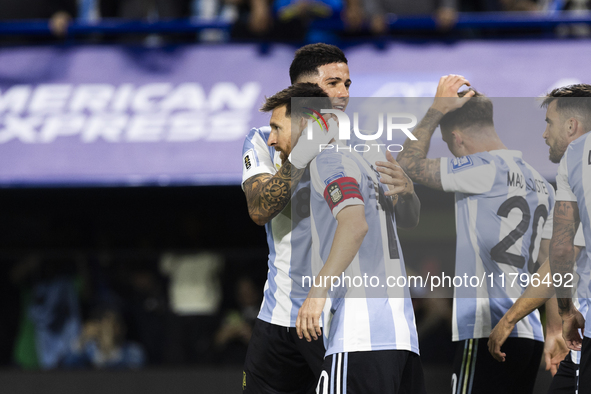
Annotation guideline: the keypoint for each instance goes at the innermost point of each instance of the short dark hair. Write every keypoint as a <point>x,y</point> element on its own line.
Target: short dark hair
<point>478,111</point>
<point>572,100</point>
<point>303,90</point>
<point>308,58</point>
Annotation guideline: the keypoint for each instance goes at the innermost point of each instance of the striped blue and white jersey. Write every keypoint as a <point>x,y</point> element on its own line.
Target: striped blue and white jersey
<point>574,184</point>
<point>359,316</point>
<point>284,291</point>
<point>502,204</point>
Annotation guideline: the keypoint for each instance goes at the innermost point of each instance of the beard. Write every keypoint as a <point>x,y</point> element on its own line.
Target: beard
<point>283,153</point>
<point>557,151</point>
<point>283,156</point>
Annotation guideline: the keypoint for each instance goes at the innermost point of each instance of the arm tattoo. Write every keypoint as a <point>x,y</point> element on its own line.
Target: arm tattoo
<point>562,256</point>
<point>267,195</point>
<point>413,157</point>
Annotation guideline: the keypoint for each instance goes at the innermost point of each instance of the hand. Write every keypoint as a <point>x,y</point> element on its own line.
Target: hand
<point>378,25</point>
<point>394,176</point>
<point>353,17</point>
<point>555,351</point>
<point>308,320</point>
<point>306,150</point>
<point>260,19</point>
<point>58,23</point>
<point>446,18</point>
<point>447,90</point>
<point>571,323</point>
<point>497,338</point>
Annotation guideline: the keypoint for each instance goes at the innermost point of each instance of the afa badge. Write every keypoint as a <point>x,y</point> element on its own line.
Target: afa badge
<point>243,380</point>
<point>334,191</point>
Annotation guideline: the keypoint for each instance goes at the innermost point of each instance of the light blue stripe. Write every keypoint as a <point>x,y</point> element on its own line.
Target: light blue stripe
<point>334,359</point>
<point>346,356</point>
<point>270,302</point>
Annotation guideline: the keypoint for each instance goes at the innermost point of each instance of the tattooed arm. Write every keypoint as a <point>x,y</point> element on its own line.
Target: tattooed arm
<point>562,250</point>
<point>562,261</point>
<point>413,157</point>
<point>267,195</point>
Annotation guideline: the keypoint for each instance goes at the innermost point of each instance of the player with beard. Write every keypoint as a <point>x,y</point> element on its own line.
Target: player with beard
<point>496,207</point>
<point>568,116</point>
<point>277,360</point>
<point>564,369</point>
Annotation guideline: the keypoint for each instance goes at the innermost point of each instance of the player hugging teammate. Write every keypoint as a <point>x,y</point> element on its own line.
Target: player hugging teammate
<point>369,342</point>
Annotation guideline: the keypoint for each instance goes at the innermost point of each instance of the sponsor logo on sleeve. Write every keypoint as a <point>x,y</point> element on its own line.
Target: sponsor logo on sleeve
<point>334,177</point>
<point>248,157</point>
<point>460,163</point>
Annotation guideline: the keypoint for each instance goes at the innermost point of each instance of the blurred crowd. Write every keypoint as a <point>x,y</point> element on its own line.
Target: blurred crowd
<point>272,19</point>
<point>113,312</point>
<point>100,313</point>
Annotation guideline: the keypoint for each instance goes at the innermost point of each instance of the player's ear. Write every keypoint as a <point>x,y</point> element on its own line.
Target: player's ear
<point>302,123</point>
<point>571,127</point>
<point>457,138</point>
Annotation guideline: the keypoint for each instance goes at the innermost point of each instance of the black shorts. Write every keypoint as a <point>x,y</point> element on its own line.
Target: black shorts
<point>565,381</point>
<point>377,372</point>
<point>278,362</point>
<point>477,372</point>
<point>585,367</point>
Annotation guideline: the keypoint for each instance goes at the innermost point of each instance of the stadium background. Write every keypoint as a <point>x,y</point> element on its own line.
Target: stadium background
<point>120,166</point>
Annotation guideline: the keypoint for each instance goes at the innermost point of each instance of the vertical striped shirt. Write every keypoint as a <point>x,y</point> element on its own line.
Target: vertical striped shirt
<point>574,184</point>
<point>288,236</point>
<point>502,204</point>
<point>361,315</point>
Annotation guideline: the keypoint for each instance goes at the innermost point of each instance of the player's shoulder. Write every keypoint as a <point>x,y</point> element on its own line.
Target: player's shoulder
<point>256,141</point>
<point>330,155</point>
<point>576,148</point>
<point>581,141</point>
<point>463,163</point>
<point>331,164</point>
<point>262,132</point>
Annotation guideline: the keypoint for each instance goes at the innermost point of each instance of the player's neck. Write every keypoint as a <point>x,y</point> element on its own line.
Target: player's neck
<point>485,145</point>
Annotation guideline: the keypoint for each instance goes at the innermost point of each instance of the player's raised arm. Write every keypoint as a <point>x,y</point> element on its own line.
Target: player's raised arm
<point>413,157</point>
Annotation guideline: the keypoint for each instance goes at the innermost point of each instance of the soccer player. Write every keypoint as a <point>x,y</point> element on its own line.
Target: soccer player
<point>277,360</point>
<point>564,371</point>
<point>568,116</point>
<point>372,343</point>
<point>562,368</point>
<point>501,206</point>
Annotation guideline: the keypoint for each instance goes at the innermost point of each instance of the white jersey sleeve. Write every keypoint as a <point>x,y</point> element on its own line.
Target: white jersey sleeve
<point>549,225</point>
<point>337,178</point>
<point>580,237</point>
<point>256,155</point>
<point>468,174</point>
<point>564,192</point>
